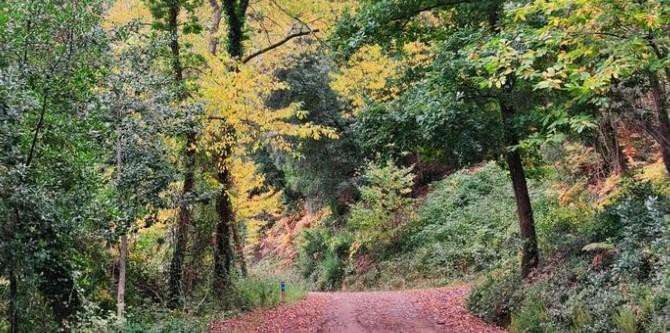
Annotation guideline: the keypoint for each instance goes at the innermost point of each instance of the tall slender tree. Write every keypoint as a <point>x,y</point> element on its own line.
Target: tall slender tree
<point>167,15</point>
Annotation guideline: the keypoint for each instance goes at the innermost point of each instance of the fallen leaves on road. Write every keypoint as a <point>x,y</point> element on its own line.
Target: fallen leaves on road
<point>425,310</point>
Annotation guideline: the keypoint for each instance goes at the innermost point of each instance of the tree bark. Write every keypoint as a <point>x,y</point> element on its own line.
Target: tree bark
<point>530,255</point>
<point>239,249</point>
<point>183,221</point>
<point>175,288</point>
<point>223,254</point>
<point>214,27</point>
<point>663,131</point>
<point>609,148</point>
<point>13,298</point>
<point>121,289</point>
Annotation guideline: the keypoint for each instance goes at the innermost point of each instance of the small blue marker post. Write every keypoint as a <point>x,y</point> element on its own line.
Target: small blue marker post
<point>282,289</point>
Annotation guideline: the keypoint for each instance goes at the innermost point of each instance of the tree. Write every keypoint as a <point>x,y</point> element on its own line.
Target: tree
<point>393,23</point>
<point>226,128</point>
<point>139,109</point>
<point>320,172</point>
<point>606,48</point>
<point>166,15</point>
<point>52,55</point>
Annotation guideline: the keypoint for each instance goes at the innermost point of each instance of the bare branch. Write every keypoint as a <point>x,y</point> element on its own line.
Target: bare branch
<point>278,44</point>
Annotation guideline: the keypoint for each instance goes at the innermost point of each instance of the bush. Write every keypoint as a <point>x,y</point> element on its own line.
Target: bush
<point>468,224</point>
<point>496,298</point>
<point>263,292</point>
<point>322,256</point>
<point>146,321</point>
<point>384,208</point>
<point>619,285</point>
<point>531,317</point>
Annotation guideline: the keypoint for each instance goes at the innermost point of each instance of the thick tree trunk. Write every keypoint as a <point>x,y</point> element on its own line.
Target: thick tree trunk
<point>663,131</point>
<point>530,254</point>
<point>235,16</point>
<point>177,70</point>
<point>121,288</point>
<point>223,253</point>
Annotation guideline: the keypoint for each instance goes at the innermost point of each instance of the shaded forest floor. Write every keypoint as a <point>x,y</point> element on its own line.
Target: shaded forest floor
<point>424,310</point>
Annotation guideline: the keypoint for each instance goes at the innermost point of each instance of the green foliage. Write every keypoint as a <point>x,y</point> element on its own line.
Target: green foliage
<point>531,317</point>
<point>601,287</point>
<point>384,207</point>
<point>151,320</point>
<point>49,147</point>
<point>467,225</point>
<point>322,256</point>
<point>625,320</point>
<point>497,297</point>
<point>161,11</point>
<point>320,171</point>
<point>263,292</point>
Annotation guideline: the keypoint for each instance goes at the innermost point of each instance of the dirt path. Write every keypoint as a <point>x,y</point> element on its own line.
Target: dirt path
<point>427,310</point>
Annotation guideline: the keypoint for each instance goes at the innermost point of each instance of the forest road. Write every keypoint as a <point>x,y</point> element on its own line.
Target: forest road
<point>421,310</point>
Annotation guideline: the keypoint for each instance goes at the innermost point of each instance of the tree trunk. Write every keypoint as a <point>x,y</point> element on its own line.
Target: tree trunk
<point>663,131</point>
<point>223,253</point>
<point>183,222</point>
<point>121,288</point>
<point>239,249</point>
<point>214,27</point>
<point>123,246</point>
<point>235,16</point>
<point>530,254</point>
<point>13,298</point>
<point>175,288</point>
<point>609,148</point>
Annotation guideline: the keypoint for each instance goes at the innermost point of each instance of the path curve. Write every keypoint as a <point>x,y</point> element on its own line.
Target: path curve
<point>421,311</point>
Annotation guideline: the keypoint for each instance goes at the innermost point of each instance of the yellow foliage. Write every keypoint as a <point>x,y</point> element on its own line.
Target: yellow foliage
<point>246,206</point>
<point>123,11</point>
<point>570,195</point>
<point>365,76</point>
<point>236,121</point>
<point>656,174</point>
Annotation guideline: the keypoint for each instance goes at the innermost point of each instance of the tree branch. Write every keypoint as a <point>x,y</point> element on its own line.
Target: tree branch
<point>277,44</point>
<point>40,123</point>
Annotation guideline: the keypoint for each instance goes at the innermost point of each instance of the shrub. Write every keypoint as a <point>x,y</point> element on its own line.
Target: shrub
<point>385,207</point>
<point>583,292</point>
<point>496,298</point>
<point>468,224</point>
<point>263,292</point>
<point>322,256</point>
<point>625,320</point>
<point>531,317</point>
<point>312,245</point>
<point>150,320</point>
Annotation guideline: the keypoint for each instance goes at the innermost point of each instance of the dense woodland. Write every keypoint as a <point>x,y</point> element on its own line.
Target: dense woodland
<point>164,163</point>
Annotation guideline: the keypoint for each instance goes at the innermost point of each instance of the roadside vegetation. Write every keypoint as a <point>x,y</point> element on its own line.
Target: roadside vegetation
<point>165,164</point>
